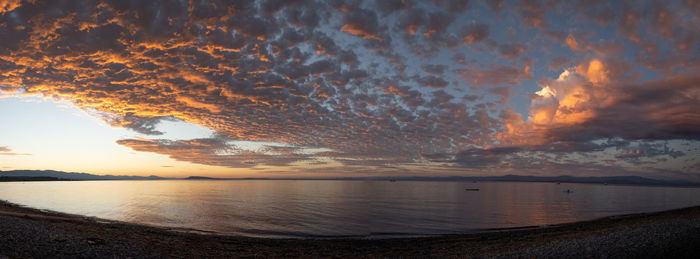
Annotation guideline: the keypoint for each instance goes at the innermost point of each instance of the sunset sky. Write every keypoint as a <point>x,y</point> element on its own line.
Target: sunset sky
<point>351,88</point>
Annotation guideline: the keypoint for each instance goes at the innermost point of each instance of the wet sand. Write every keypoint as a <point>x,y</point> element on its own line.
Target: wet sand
<point>30,233</point>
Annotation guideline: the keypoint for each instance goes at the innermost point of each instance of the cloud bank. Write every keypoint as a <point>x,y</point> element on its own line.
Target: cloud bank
<point>478,87</point>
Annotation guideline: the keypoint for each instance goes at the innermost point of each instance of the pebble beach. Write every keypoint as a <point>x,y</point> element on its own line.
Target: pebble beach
<point>31,233</point>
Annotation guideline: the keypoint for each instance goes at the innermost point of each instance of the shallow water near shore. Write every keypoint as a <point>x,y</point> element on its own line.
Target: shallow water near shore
<point>325,208</point>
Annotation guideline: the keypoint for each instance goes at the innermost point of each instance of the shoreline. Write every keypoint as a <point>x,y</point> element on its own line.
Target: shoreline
<point>381,179</point>
<point>36,213</point>
<point>29,232</point>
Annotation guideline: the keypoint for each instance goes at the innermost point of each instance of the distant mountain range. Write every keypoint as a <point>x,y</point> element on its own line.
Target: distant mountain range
<point>203,178</point>
<point>631,180</point>
<point>51,175</point>
<point>620,180</point>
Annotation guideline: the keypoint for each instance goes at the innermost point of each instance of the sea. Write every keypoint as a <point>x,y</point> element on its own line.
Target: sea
<point>343,208</point>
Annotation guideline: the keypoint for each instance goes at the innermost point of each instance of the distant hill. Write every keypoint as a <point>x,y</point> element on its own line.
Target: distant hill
<point>635,180</point>
<point>201,178</point>
<point>629,180</point>
<point>51,175</point>
<point>624,180</point>
<point>58,175</point>
<point>29,179</point>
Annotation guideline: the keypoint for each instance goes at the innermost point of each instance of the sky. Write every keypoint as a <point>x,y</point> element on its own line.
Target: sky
<point>306,88</point>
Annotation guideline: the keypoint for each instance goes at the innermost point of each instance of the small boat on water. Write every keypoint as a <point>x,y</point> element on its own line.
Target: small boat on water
<point>472,189</point>
<point>568,191</point>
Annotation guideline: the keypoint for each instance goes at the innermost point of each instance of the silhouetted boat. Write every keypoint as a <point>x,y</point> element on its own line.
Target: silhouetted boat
<point>471,189</point>
<point>568,191</point>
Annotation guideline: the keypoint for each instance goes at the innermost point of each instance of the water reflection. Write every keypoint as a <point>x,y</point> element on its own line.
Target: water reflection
<point>343,208</point>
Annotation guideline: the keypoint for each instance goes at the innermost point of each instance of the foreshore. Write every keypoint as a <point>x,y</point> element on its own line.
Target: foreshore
<point>31,233</point>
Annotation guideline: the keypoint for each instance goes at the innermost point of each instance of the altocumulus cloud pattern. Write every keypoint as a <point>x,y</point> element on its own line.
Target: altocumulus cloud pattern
<point>543,87</point>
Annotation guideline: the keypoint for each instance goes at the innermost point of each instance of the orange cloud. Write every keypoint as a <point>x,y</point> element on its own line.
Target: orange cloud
<point>6,151</point>
<point>572,97</point>
<point>358,31</point>
<point>601,47</point>
<point>595,71</point>
<point>191,102</point>
<point>9,5</point>
<point>585,101</point>
<point>285,76</point>
<point>572,43</point>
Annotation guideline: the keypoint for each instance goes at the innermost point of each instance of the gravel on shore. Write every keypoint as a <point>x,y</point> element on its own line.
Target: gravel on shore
<point>31,233</point>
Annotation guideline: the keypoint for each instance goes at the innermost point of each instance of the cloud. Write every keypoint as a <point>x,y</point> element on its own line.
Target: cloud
<point>590,111</point>
<point>432,82</point>
<point>389,6</point>
<point>585,104</point>
<point>559,62</point>
<point>495,5</point>
<point>475,32</point>
<point>437,23</point>
<point>533,12</point>
<point>647,150</point>
<point>506,50</point>
<point>212,151</point>
<point>656,109</point>
<point>378,83</point>
<point>144,125</point>
<point>601,47</point>
<point>9,5</point>
<point>6,151</point>
<point>481,158</point>
<point>666,27</point>
<point>495,74</point>
<point>363,23</point>
<point>434,69</point>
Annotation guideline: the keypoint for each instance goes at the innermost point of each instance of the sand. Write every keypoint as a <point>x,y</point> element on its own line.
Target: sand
<point>30,233</point>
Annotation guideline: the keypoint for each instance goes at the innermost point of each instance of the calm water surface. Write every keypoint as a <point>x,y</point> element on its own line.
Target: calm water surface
<point>286,208</point>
